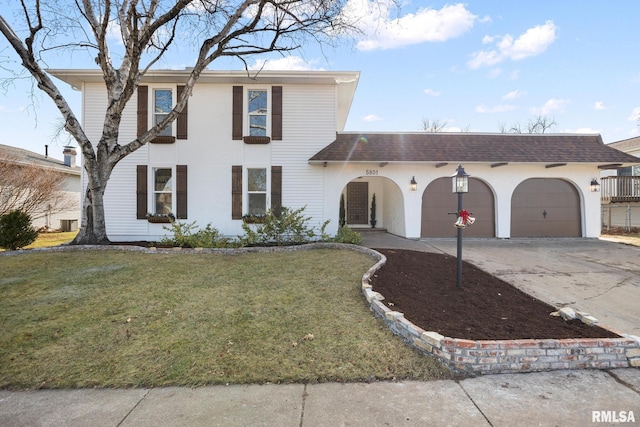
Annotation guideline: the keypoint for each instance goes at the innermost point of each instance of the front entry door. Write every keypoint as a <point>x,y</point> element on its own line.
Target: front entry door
<point>357,199</point>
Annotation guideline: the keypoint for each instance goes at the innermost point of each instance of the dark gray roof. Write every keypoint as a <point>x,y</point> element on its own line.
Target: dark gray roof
<point>22,156</point>
<point>471,147</point>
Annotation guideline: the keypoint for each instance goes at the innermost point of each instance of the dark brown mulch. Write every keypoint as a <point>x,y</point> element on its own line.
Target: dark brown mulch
<point>423,287</point>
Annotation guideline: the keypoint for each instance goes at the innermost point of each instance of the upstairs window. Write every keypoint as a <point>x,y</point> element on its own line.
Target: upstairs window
<point>257,191</point>
<point>162,106</point>
<point>163,190</point>
<point>257,103</point>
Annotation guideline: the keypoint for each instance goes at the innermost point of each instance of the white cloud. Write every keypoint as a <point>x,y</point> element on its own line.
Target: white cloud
<point>382,31</point>
<point>372,118</point>
<point>599,105</point>
<point>501,108</point>
<point>635,115</point>
<point>432,92</point>
<point>291,63</point>
<point>532,42</point>
<point>514,94</point>
<point>551,106</point>
<point>488,39</point>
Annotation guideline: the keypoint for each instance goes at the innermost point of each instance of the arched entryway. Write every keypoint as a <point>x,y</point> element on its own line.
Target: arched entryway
<point>545,207</point>
<point>438,200</point>
<point>358,195</point>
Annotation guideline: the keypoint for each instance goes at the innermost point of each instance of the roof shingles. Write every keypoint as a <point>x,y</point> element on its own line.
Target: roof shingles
<point>470,147</point>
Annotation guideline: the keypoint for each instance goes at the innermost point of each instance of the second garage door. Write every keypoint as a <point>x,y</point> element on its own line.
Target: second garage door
<point>545,207</point>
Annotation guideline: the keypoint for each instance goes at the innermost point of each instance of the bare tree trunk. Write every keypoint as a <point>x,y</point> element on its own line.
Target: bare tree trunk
<point>93,230</point>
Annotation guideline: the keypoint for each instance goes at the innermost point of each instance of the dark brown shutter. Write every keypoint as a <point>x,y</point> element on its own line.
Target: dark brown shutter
<point>276,114</point>
<point>276,189</point>
<point>181,191</point>
<point>141,191</point>
<point>236,192</point>
<point>143,109</point>
<point>238,94</point>
<point>181,131</point>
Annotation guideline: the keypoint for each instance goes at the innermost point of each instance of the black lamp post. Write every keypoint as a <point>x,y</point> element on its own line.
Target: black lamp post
<point>460,183</point>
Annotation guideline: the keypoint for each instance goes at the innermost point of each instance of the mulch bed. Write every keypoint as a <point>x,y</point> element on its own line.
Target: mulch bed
<point>423,286</point>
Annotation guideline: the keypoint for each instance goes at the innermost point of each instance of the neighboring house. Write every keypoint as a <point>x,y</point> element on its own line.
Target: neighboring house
<point>621,191</point>
<point>245,145</point>
<point>66,214</point>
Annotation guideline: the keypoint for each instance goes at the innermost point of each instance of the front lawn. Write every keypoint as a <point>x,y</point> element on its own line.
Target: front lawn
<point>127,319</point>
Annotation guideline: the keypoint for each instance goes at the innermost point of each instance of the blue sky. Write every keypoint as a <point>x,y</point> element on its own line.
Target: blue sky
<point>473,65</point>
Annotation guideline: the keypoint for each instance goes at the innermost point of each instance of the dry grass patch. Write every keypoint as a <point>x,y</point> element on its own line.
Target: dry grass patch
<point>128,319</point>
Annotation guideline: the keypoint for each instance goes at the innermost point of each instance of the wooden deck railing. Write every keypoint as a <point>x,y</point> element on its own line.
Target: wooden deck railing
<point>620,189</point>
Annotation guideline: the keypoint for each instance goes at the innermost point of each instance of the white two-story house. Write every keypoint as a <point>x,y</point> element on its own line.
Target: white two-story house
<point>245,145</point>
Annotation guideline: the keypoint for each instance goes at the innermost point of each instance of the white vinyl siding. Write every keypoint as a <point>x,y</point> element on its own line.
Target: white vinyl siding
<point>309,123</point>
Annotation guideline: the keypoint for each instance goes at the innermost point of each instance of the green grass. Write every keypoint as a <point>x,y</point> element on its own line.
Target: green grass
<point>45,240</point>
<point>127,319</point>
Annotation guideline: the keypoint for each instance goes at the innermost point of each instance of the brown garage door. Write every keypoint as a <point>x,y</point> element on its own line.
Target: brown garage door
<point>545,207</point>
<point>438,201</point>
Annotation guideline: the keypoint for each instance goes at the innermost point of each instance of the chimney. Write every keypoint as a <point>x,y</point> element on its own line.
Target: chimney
<point>69,156</point>
<point>46,151</point>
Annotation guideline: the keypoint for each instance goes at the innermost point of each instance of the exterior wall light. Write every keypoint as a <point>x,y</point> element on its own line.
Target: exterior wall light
<point>595,185</point>
<point>414,184</point>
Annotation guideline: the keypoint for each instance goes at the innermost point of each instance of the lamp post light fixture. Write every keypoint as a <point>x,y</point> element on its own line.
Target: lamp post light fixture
<point>595,185</point>
<point>414,184</point>
<point>460,181</point>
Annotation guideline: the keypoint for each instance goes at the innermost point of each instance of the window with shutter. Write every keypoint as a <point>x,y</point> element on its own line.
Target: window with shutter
<point>257,111</point>
<point>257,188</point>
<point>162,105</point>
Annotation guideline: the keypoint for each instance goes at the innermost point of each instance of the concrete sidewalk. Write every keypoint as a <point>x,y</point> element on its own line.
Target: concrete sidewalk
<point>592,275</point>
<point>567,398</point>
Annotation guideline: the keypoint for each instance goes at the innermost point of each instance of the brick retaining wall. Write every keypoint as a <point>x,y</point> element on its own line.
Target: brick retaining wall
<point>506,356</point>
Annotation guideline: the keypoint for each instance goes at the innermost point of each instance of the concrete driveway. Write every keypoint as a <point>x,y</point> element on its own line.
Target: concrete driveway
<point>591,275</point>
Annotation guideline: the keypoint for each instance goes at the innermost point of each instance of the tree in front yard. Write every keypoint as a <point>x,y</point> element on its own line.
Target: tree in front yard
<point>139,33</point>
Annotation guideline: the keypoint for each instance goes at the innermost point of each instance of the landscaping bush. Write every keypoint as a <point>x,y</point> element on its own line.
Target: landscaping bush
<point>347,235</point>
<point>289,227</point>
<point>16,230</point>
<point>187,235</point>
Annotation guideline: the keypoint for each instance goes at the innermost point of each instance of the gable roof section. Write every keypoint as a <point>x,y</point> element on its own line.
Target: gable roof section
<point>472,147</point>
<point>26,157</point>
<point>627,145</point>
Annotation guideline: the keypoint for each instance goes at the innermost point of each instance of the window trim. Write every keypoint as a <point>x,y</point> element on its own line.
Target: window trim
<point>153,115</point>
<point>248,115</point>
<point>153,191</point>
<point>245,187</point>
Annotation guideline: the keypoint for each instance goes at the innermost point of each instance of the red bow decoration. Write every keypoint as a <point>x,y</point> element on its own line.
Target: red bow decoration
<point>464,219</point>
<point>464,215</point>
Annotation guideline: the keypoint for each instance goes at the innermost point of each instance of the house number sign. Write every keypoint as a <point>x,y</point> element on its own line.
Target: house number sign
<point>371,172</point>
